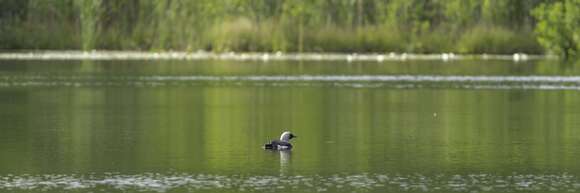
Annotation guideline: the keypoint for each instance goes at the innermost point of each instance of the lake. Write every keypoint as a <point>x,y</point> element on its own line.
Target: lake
<point>362,126</point>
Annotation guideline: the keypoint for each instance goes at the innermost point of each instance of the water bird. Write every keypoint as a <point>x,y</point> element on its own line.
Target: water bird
<point>282,144</point>
<point>519,56</point>
<point>349,58</point>
<point>447,56</point>
<point>380,58</point>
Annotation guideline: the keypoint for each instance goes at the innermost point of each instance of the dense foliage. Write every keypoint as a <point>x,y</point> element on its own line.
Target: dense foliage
<point>422,26</point>
<point>558,28</point>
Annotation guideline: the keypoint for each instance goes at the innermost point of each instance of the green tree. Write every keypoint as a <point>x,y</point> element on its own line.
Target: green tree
<point>558,27</point>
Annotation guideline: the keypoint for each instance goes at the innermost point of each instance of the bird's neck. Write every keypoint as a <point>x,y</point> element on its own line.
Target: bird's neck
<point>283,138</point>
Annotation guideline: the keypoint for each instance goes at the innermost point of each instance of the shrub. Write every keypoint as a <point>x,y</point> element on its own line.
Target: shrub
<point>497,40</point>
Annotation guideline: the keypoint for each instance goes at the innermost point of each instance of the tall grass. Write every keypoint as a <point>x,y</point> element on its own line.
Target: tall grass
<point>89,22</point>
<point>258,27</point>
<point>366,39</point>
<point>42,26</point>
<point>497,40</point>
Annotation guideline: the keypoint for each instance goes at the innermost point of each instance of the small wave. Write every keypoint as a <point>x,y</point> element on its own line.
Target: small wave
<point>378,78</point>
<point>354,81</point>
<point>315,183</point>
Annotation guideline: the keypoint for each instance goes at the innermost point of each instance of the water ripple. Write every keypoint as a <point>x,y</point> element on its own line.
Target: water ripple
<point>354,81</point>
<point>316,183</point>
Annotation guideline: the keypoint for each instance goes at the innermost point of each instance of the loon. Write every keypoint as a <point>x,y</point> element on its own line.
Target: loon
<point>283,143</point>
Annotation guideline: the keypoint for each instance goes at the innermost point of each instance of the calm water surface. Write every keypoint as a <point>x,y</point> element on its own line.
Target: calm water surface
<point>198,126</point>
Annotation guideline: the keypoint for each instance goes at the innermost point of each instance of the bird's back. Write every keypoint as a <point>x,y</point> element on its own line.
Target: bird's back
<point>278,144</point>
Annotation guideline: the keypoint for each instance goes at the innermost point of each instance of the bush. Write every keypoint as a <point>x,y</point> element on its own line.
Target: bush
<point>241,35</point>
<point>437,41</point>
<point>366,39</point>
<point>33,36</point>
<point>497,40</point>
<point>558,27</point>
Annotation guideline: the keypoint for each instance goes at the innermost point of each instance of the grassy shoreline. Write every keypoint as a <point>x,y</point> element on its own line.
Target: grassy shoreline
<point>247,36</point>
<point>269,26</point>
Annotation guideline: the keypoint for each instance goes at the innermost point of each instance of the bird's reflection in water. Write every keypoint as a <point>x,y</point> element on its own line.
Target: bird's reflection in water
<point>285,156</point>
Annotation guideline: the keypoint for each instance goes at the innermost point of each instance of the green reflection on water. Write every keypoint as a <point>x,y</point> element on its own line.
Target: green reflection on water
<point>219,129</point>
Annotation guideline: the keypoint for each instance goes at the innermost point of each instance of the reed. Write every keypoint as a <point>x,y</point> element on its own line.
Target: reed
<point>497,40</point>
<point>254,26</point>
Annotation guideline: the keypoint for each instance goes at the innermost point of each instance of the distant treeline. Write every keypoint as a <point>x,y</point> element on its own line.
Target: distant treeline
<point>419,26</point>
